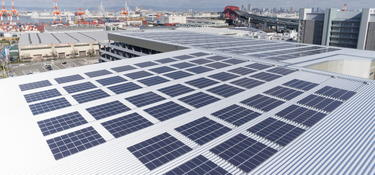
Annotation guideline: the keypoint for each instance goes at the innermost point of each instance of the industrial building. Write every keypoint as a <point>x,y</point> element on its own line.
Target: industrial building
<point>209,104</point>
<point>54,45</point>
<point>342,28</point>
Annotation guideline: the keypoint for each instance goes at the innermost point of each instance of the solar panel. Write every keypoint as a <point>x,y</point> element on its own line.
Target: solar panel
<point>234,61</point>
<point>111,80</point>
<point>74,142</point>
<point>176,90</point>
<point>146,64</point>
<point>37,96</point>
<point>199,69</point>
<point>217,65</point>
<point>67,79</point>
<point>202,130</point>
<point>79,87</point>
<point>321,103</point>
<point>162,69</point>
<point>243,152</point>
<point>198,165</point>
<point>158,150</point>
<point>223,76</point>
<point>34,85</point>
<point>166,60</point>
<point>183,65</point>
<point>125,125</point>
<point>61,123</point>
<point>266,76</point>
<point>184,57</point>
<point>98,73</point>
<point>247,83</point>
<point>276,131</point>
<point>236,115</point>
<point>242,71</point>
<point>123,68</point>
<point>48,106</point>
<point>225,90</point>
<point>199,54</point>
<point>217,58</point>
<point>199,99</point>
<point>153,81</point>
<point>336,93</point>
<point>90,96</point>
<point>178,75</point>
<point>201,61</point>
<point>107,110</point>
<point>167,111</point>
<point>145,99</point>
<point>300,84</point>
<point>126,87</point>
<point>301,115</point>
<point>139,74</point>
<point>263,103</point>
<point>258,66</point>
<point>284,93</point>
<point>201,82</point>
<point>281,71</point>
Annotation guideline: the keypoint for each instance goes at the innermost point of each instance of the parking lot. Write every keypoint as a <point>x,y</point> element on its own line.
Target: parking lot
<point>38,67</point>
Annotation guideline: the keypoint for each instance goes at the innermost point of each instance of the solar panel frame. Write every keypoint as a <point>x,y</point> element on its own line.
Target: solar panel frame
<point>145,99</point>
<point>301,84</point>
<point>247,83</point>
<point>225,90</point>
<point>49,106</point>
<point>35,85</point>
<point>139,74</point>
<point>126,125</point>
<point>199,69</point>
<point>336,93</point>
<point>217,65</point>
<point>41,95</point>
<point>223,76</point>
<point>176,90</point>
<point>301,115</point>
<point>123,68</point>
<point>258,66</point>
<point>183,65</point>
<point>152,81</point>
<point>283,92</point>
<point>123,88</point>
<point>167,111</point>
<point>242,71</point>
<point>98,73</point>
<point>90,96</point>
<point>107,110</point>
<point>202,82</point>
<point>266,76</point>
<point>199,99</point>
<point>79,87</point>
<point>163,69</point>
<point>61,123</point>
<point>262,102</point>
<point>236,115</point>
<point>178,75</point>
<point>281,71</point>
<point>111,80</point>
<point>146,64</point>
<point>320,103</point>
<point>67,79</point>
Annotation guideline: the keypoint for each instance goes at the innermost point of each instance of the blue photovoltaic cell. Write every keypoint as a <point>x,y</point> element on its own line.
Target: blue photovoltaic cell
<point>79,87</point>
<point>203,130</point>
<point>74,142</point>
<point>276,131</point>
<point>126,87</point>
<point>199,99</point>
<point>183,65</point>
<point>337,93</point>
<point>98,73</point>
<point>217,65</point>
<point>217,58</point>
<point>166,60</point>
<point>146,64</point>
<point>236,115</point>
<point>123,68</point>
<point>281,71</point>
<point>223,76</point>
<point>111,80</point>
<point>107,110</point>
<point>201,61</point>
<point>234,61</point>
<point>321,103</point>
<point>199,54</point>
<point>178,75</point>
<point>176,90</point>
<point>69,79</point>
<point>201,82</point>
<point>243,152</point>
<point>266,76</point>
<point>262,102</point>
<point>199,69</point>
<point>34,85</point>
<point>139,74</point>
<point>125,125</point>
<point>60,123</point>
<point>300,84</point>
<point>242,71</point>
<point>247,83</point>
<point>90,96</point>
<point>225,90</point>
<point>284,93</point>
<point>301,115</point>
<point>167,111</point>
<point>37,96</point>
<point>258,66</point>
<point>184,57</point>
<point>48,106</point>
<point>158,150</point>
<point>145,99</point>
<point>198,165</point>
<point>162,69</point>
<point>153,81</point>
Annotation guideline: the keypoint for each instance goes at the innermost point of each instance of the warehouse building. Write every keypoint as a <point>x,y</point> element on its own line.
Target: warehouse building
<point>45,46</point>
<point>215,105</point>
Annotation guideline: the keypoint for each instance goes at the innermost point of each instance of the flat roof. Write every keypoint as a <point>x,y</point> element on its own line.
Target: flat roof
<point>193,110</point>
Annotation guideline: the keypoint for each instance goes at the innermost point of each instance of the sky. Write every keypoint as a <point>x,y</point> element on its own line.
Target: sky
<point>195,4</point>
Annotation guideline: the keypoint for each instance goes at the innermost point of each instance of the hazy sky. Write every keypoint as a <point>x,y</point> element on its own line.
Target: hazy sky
<point>197,4</point>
